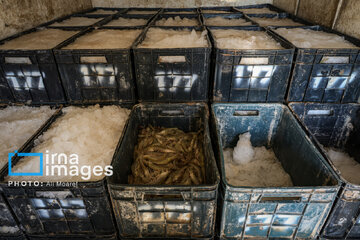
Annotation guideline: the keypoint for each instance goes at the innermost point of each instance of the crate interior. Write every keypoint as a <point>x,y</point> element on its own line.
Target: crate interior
<point>188,118</point>
<point>273,126</point>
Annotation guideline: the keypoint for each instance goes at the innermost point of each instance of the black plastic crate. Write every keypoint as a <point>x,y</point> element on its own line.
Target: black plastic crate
<point>229,10</point>
<point>93,10</point>
<point>101,18</point>
<point>325,75</point>
<point>58,212</point>
<point>173,211</point>
<point>206,16</point>
<point>184,79</point>
<point>266,81</point>
<point>96,75</point>
<point>128,16</point>
<point>182,16</point>
<point>282,15</point>
<point>7,221</point>
<point>329,124</point>
<point>269,6</point>
<point>174,11</point>
<point>31,75</point>
<point>143,9</point>
<point>5,91</point>
<point>296,212</point>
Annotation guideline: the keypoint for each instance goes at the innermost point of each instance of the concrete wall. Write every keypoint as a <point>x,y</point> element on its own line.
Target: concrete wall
<point>19,15</point>
<point>174,3</point>
<point>342,15</point>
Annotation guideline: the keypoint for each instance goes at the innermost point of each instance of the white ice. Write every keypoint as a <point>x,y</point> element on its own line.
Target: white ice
<point>262,21</point>
<point>92,133</point>
<point>221,21</point>
<point>17,125</point>
<point>127,22</point>
<point>42,39</point>
<point>250,166</point>
<point>105,39</point>
<point>76,22</point>
<point>177,21</point>
<point>244,39</point>
<point>308,38</point>
<point>168,38</point>
<point>348,166</point>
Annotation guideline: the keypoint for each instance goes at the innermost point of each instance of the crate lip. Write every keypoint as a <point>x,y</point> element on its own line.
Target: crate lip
<point>42,129</point>
<point>265,5</point>
<point>346,183</point>
<point>229,9</point>
<point>227,186</point>
<point>182,16</point>
<point>206,16</point>
<point>142,36</point>
<point>280,15</point>
<point>59,50</point>
<point>60,19</point>
<point>33,51</point>
<point>286,50</point>
<point>350,39</point>
<point>89,11</point>
<point>207,187</point>
<point>165,10</point>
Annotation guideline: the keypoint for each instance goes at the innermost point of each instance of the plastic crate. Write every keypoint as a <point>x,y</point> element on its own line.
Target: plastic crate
<point>269,6</point>
<point>7,221</point>
<point>128,16</point>
<point>329,124</point>
<point>144,9</point>
<point>167,16</point>
<point>93,10</point>
<point>280,16</point>
<point>174,11</point>
<point>96,75</point>
<point>206,16</point>
<point>5,91</point>
<point>101,19</point>
<point>296,212</point>
<point>59,212</point>
<point>326,75</point>
<point>31,75</point>
<point>159,78</point>
<point>266,81</point>
<point>227,9</point>
<point>173,211</point>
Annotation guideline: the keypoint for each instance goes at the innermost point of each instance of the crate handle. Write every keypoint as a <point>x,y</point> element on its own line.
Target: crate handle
<point>254,60</point>
<point>172,112</point>
<point>171,59</point>
<point>93,59</point>
<point>317,112</point>
<point>246,113</point>
<point>281,199</point>
<point>18,60</point>
<point>332,59</point>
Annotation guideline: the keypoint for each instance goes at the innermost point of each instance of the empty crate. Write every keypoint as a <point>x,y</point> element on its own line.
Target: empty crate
<point>92,72</point>
<point>175,74</point>
<point>297,212</point>
<point>326,75</point>
<point>28,66</point>
<point>251,75</point>
<point>338,126</point>
<point>164,211</point>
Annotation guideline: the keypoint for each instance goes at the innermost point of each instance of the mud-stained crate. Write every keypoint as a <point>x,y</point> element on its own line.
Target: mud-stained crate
<point>96,75</point>
<point>338,126</point>
<point>164,211</point>
<point>30,75</point>
<point>251,75</point>
<point>297,212</point>
<point>325,75</point>
<point>172,74</point>
<point>51,211</point>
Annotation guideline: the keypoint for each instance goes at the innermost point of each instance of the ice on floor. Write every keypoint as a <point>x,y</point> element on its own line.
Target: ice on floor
<point>348,166</point>
<point>42,39</point>
<point>127,22</point>
<point>76,22</point>
<point>256,10</point>
<point>181,12</point>
<point>92,133</point>
<point>177,21</point>
<point>105,39</point>
<point>168,38</point>
<point>141,12</point>
<point>214,11</point>
<point>244,39</point>
<point>102,11</point>
<point>246,165</point>
<point>221,21</point>
<point>17,125</point>
<point>262,21</point>
<point>308,38</point>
